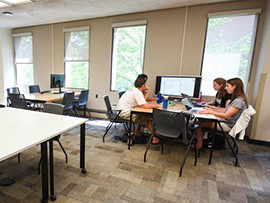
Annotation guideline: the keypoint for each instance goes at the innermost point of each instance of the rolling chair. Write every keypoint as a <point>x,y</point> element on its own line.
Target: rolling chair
<point>34,89</point>
<point>171,125</point>
<point>82,102</point>
<point>12,90</point>
<point>68,103</point>
<point>54,108</point>
<point>113,117</point>
<point>121,93</point>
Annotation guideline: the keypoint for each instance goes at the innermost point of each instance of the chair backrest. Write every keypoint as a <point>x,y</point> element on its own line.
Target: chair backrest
<point>54,108</point>
<point>17,101</point>
<point>34,89</point>
<point>121,93</point>
<point>83,98</point>
<point>13,90</point>
<point>68,100</point>
<point>108,104</point>
<point>170,124</point>
<point>242,123</point>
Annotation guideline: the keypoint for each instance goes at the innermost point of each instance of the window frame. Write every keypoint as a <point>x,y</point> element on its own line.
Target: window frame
<point>255,12</point>
<point>123,25</point>
<point>24,34</point>
<point>77,29</point>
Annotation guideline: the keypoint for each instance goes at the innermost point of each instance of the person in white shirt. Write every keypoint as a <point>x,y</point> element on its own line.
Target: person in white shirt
<point>136,97</point>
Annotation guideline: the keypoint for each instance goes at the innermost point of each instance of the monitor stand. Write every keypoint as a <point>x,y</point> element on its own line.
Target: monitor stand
<point>59,92</point>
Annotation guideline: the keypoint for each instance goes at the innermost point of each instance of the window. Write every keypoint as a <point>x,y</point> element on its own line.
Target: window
<point>24,59</point>
<point>127,55</point>
<point>228,49</point>
<point>77,57</point>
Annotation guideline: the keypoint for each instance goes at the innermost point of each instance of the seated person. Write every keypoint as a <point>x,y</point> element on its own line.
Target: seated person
<point>134,97</point>
<point>230,114</point>
<point>147,89</point>
<point>222,98</point>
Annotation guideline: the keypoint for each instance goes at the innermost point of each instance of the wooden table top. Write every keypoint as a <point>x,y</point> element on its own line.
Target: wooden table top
<point>46,97</point>
<point>179,106</point>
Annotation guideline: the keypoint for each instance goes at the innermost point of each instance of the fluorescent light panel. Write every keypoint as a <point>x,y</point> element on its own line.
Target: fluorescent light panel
<point>18,1</point>
<point>3,5</point>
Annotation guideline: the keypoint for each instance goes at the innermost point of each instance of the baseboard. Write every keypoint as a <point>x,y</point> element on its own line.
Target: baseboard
<point>257,142</point>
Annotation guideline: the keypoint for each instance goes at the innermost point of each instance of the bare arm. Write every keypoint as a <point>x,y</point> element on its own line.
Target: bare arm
<point>231,111</point>
<point>150,106</point>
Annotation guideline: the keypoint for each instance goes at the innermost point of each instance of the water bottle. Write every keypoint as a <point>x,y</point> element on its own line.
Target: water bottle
<point>165,102</point>
<point>159,98</point>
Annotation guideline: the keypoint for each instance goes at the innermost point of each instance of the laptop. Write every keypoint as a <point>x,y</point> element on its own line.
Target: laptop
<point>190,106</point>
<point>194,104</point>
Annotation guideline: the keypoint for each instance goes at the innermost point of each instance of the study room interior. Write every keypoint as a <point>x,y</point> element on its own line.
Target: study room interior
<point>134,101</point>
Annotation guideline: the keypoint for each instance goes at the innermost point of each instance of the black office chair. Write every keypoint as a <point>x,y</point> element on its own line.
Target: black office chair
<point>68,102</point>
<point>34,89</point>
<point>82,102</point>
<point>18,101</point>
<point>54,108</point>
<point>213,133</point>
<point>12,90</point>
<point>121,93</point>
<point>113,117</point>
<point>174,126</point>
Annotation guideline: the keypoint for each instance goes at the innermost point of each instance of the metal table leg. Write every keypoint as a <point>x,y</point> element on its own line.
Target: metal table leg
<point>82,149</point>
<point>53,196</point>
<point>44,172</point>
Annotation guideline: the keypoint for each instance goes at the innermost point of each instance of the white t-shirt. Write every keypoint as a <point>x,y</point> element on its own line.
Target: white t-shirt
<point>131,98</point>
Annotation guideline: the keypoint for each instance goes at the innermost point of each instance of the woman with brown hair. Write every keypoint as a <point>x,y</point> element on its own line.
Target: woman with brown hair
<point>231,113</point>
<point>222,97</point>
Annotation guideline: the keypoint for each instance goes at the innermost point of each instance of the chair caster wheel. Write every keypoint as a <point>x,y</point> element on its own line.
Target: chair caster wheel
<point>83,170</point>
<point>53,197</point>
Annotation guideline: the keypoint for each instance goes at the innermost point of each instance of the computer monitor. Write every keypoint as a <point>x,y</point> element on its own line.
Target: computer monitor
<point>57,81</point>
<point>176,85</point>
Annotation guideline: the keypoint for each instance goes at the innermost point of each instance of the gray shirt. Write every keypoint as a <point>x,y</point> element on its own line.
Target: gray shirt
<point>238,103</point>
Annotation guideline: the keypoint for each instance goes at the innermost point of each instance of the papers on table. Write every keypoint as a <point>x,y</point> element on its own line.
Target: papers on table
<point>206,116</point>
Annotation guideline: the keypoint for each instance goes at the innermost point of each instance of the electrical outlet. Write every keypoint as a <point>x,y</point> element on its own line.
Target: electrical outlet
<point>96,96</point>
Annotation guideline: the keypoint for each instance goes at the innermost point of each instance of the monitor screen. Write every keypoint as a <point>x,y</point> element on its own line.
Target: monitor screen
<point>57,80</point>
<point>175,85</point>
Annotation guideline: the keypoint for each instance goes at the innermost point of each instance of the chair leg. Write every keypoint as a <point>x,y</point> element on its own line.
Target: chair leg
<point>148,145</point>
<point>19,157</point>
<point>89,115</point>
<point>234,145</point>
<point>212,148</point>
<point>39,164</point>
<point>162,147</point>
<point>77,112</point>
<point>107,130</point>
<point>187,151</point>
<point>234,154</point>
<point>196,154</point>
<point>63,149</point>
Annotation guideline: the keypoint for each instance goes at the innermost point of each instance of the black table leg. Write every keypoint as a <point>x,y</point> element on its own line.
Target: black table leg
<point>44,172</point>
<point>53,196</point>
<point>82,149</point>
<point>129,134</point>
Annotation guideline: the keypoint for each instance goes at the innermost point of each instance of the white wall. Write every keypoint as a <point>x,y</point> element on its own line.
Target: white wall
<point>7,78</point>
<point>261,127</point>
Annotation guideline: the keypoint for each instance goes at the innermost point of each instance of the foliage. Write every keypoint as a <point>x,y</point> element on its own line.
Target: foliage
<point>128,56</point>
<point>76,59</point>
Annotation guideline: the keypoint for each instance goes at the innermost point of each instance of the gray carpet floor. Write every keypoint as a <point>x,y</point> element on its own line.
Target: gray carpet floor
<point>116,174</point>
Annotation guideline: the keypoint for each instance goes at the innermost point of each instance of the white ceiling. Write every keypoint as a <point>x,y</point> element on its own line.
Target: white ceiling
<point>53,11</point>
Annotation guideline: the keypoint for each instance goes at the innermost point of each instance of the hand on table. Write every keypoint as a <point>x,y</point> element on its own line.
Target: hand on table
<point>206,111</point>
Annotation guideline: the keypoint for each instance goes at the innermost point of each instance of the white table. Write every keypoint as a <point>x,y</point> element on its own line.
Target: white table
<point>22,129</point>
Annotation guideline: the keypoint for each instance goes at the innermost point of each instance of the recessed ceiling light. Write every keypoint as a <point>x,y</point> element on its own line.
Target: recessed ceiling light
<point>7,13</point>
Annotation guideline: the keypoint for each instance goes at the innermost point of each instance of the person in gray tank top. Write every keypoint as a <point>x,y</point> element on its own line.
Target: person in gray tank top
<point>238,104</point>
